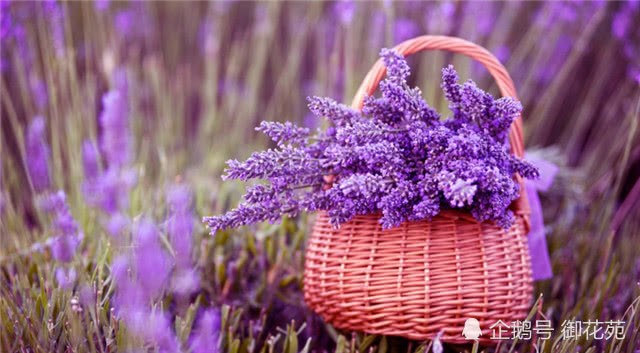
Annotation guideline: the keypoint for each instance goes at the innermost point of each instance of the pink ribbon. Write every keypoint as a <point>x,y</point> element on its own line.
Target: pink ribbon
<point>540,262</point>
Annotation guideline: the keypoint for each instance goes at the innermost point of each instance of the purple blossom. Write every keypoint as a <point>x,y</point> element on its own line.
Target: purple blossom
<point>458,192</point>
<point>102,5</point>
<point>154,327</point>
<point>54,12</point>
<point>440,19</point>
<point>282,133</point>
<point>39,91</point>
<point>63,247</point>
<point>206,336</point>
<point>110,191</point>
<point>623,29</point>
<point>90,160</point>
<point>180,224</point>
<point>329,108</point>
<point>67,234</point>
<point>117,225</point>
<point>152,263</point>
<point>115,140</point>
<point>37,153</point>
<point>404,28</point>
<point>185,282</point>
<point>344,10</point>
<point>397,157</point>
<point>66,277</point>
<point>133,22</point>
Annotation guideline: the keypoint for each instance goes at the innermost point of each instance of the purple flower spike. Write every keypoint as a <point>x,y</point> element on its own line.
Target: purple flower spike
<point>344,10</point>
<point>110,191</point>
<point>159,332</point>
<point>206,336</point>
<point>37,153</point>
<point>152,262</point>
<point>64,245</point>
<point>117,225</point>
<point>185,282</point>
<point>63,248</point>
<point>114,121</point>
<point>90,160</point>
<point>180,224</point>
<point>283,133</point>
<point>66,278</point>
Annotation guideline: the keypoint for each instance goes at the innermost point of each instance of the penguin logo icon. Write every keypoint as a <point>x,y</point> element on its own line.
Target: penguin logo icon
<point>471,329</point>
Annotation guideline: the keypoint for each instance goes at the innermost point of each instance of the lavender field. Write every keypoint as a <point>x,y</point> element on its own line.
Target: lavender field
<point>118,118</point>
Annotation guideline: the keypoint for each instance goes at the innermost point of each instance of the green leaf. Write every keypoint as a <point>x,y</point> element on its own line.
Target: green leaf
<point>366,342</point>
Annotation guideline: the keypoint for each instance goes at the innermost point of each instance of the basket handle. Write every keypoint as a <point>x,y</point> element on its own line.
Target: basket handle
<point>456,45</point>
<point>474,51</point>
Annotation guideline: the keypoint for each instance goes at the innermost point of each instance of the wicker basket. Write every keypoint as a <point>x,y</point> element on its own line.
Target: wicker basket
<point>422,278</point>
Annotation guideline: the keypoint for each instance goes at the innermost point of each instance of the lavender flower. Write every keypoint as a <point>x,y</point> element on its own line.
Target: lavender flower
<point>117,225</point>
<point>283,132</point>
<point>404,28</point>
<point>64,244</point>
<point>114,121</point>
<point>344,10</point>
<point>152,263</point>
<point>180,224</point>
<point>396,157</point>
<point>66,277</point>
<point>110,191</point>
<point>207,334</point>
<point>90,160</point>
<point>37,152</point>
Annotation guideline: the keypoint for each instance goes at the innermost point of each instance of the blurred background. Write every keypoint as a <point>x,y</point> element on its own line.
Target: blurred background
<point>164,93</point>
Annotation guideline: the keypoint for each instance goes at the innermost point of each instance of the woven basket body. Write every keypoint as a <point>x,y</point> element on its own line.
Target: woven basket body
<point>420,278</point>
<point>426,277</point>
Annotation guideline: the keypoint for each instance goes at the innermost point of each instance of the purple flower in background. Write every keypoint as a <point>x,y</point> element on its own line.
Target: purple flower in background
<point>37,153</point>
<point>64,244</point>
<point>63,247</point>
<point>185,281</point>
<point>14,32</point>
<point>344,10</point>
<point>151,261</point>
<point>159,332</point>
<point>207,334</point>
<point>102,5</point>
<point>66,277</point>
<point>404,28</point>
<point>110,191</point>
<point>485,15</point>
<point>54,12</point>
<point>133,298</point>
<point>1,192</point>
<point>622,28</point>
<point>180,224</point>
<point>39,91</point>
<point>440,18</point>
<point>90,160</point>
<point>115,141</point>
<point>117,225</point>
<point>133,23</point>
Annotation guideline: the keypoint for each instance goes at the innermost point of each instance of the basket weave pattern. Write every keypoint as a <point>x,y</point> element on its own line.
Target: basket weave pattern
<point>425,277</point>
<point>419,278</point>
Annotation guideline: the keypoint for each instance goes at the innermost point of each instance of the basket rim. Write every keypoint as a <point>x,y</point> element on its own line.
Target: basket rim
<point>450,214</point>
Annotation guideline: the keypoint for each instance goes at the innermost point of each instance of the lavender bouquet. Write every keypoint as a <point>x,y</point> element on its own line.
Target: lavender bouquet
<point>396,157</point>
